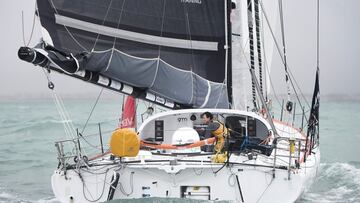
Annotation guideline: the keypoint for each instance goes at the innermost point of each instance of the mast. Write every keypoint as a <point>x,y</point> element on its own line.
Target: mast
<point>258,44</point>
<point>251,45</point>
<point>229,7</point>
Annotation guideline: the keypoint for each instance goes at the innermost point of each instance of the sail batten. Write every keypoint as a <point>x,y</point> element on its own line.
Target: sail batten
<point>134,36</point>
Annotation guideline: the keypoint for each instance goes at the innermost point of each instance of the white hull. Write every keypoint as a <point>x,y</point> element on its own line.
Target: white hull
<point>153,175</point>
<point>257,183</point>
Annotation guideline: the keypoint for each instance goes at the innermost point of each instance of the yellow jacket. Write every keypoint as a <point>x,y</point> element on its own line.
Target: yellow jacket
<point>220,133</point>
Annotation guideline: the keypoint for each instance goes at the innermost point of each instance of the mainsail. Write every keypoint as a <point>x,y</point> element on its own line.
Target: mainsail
<point>175,53</point>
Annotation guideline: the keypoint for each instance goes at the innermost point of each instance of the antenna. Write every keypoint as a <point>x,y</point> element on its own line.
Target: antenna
<point>318,36</point>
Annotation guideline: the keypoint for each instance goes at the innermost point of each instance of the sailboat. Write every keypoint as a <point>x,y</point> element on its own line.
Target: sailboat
<point>190,58</point>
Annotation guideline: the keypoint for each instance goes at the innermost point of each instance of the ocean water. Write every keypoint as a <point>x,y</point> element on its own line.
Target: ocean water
<point>28,130</point>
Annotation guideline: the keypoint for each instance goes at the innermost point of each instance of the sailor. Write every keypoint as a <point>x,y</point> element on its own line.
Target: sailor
<point>216,129</point>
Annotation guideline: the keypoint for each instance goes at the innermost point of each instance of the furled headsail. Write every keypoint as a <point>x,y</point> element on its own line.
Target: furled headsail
<point>173,52</point>
<point>313,124</point>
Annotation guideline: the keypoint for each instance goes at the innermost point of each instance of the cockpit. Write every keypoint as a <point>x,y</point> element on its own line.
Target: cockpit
<point>247,131</point>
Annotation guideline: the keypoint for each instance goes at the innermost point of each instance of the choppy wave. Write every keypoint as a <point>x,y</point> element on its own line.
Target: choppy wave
<point>10,126</point>
<point>337,182</point>
<point>6,197</point>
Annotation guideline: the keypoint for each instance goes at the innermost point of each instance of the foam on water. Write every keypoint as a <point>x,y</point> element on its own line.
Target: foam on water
<point>337,182</point>
<point>6,197</point>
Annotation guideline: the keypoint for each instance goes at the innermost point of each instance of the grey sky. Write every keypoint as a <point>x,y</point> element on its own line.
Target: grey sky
<point>340,60</point>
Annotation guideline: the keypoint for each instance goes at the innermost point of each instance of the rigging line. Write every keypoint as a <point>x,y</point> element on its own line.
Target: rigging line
<point>220,95</point>
<point>23,27</point>
<point>282,59</point>
<point>114,42</point>
<point>61,109</point>
<point>267,187</point>
<point>251,43</point>
<point>131,185</point>
<point>67,130</point>
<point>258,43</point>
<point>118,24</point>
<point>226,76</point>
<point>67,30</point>
<point>66,114</point>
<point>279,52</point>
<point>284,47</point>
<point>98,35</point>
<point>253,75</point>
<point>297,86</point>
<point>85,187</point>
<point>162,23</point>
<point>62,116</point>
<point>297,97</point>
<point>159,50</point>
<point>192,57</point>
<point>266,72</point>
<point>98,97</point>
<point>87,142</point>
<point>33,27</point>
<point>272,86</point>
<point>92,110</point>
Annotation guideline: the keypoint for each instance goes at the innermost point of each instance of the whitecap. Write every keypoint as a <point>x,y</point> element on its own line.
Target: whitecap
<point>49,200</point>
<point>337,182</point>
<point>4,195</point>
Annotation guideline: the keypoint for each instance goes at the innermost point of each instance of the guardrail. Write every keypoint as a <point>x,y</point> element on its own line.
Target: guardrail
<point>71,151</point>
<point>296,146</point>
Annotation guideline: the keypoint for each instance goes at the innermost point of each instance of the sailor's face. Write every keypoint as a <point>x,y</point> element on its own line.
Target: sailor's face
<point>205,119</point>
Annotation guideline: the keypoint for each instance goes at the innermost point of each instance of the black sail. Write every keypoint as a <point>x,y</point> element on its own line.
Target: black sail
<point>169,51</point>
